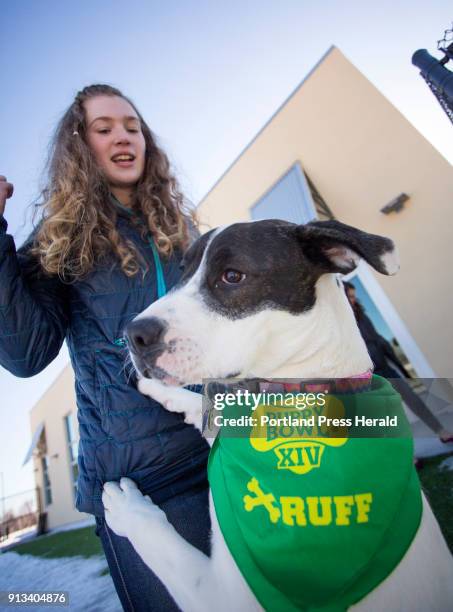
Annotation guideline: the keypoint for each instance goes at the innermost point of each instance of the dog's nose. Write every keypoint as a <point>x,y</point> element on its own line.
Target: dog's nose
<point>145,333</point>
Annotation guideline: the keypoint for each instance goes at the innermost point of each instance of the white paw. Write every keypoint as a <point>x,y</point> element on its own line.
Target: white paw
<point>193,417</point>
<point>126,507</point>
<point>149,386</point>
<point>167,396</point>
<point>174,399</point>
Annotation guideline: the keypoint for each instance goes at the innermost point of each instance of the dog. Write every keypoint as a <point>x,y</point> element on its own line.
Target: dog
<point>260,300</point>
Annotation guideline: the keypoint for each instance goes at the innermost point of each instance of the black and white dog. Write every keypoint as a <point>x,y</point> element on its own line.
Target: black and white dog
<point>259,300</point>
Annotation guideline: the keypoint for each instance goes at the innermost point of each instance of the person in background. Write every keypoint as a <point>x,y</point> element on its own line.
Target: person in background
<point>112,233</point>
<point>387,364</point>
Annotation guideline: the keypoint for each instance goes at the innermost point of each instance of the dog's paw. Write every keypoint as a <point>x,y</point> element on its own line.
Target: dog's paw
<point>174,399</point>
<point>194,417</point>
<point>126,508</point>
<point>159,392</point>
<point>149,386</point>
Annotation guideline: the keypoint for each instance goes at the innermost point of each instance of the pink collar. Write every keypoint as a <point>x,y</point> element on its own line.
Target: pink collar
<point>352,384</point>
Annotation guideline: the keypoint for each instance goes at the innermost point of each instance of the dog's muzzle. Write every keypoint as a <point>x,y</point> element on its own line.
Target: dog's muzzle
<point>145,339</point>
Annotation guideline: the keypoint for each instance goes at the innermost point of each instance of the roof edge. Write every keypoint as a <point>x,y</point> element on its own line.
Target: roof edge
<point>274,114</point>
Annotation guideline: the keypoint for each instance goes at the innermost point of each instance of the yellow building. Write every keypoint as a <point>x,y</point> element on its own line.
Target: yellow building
<point>337,147</point>
<point>54,451</point>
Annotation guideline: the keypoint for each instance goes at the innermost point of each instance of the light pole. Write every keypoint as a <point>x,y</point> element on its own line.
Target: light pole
<point>437,76</point>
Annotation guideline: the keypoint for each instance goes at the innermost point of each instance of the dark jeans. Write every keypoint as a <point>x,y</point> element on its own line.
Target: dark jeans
<point>137,586</point>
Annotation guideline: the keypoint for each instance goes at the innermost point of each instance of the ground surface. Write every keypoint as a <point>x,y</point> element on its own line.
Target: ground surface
<point>436,476</point>
<point>69,561</point>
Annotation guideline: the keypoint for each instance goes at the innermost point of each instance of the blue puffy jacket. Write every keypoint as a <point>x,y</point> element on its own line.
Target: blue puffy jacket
<point>122,433</point>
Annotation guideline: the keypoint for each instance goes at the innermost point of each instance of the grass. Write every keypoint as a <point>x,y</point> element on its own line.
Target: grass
<point>438,487</point>
<point>78,542</point>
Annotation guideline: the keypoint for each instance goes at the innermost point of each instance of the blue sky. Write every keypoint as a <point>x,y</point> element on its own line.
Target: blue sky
<point>206,75</point>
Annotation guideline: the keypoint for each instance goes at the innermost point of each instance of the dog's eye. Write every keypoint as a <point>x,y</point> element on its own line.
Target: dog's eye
<point>232,277</point>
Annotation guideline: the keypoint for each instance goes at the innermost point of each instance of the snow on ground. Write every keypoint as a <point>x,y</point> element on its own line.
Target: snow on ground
<point>29,533</point>
<point>15,537</point>
<point>80,577</point>
<point>88,522</point>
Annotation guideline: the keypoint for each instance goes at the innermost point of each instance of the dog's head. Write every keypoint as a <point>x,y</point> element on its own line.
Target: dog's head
<point>246,290</point>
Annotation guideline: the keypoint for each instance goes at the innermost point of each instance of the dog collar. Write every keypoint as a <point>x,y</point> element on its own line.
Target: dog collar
<point>352,384</point>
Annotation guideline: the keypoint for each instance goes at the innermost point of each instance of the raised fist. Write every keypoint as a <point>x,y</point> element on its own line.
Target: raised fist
<point>6,191</point>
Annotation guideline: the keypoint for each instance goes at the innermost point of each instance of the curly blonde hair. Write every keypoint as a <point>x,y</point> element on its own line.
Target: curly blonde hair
<point>78,225</point>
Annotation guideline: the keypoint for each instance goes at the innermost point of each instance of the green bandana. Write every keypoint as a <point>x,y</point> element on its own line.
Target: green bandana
<point>315,523</point>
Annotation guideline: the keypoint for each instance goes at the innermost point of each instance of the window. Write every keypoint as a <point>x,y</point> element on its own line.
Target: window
<point>73,452</point>
<point>46,480</point>
<point>289,199</point>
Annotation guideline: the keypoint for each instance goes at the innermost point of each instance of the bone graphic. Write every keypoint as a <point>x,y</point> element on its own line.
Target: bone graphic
<point>261,499</point>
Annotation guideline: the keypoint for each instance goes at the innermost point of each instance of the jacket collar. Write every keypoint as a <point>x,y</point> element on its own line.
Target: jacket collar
<point>121,210</point>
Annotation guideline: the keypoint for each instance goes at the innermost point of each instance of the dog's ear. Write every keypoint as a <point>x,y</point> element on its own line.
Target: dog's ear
<point>193,256</point>
<point>337,247</point>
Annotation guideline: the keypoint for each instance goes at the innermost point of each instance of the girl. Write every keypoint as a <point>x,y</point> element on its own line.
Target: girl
<point>112,233</point>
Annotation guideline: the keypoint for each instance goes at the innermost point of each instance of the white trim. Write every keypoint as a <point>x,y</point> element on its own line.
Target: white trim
<point>305,203</point>
<point>393,320</point>
<point>72,461</point>
<point>34,442</point>
<point>309,205</point>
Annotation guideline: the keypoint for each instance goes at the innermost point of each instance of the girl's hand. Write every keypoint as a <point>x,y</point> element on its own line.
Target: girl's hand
<point>6,191</point>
